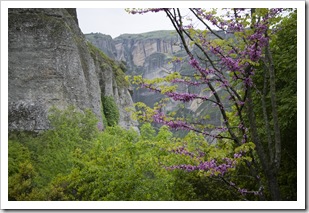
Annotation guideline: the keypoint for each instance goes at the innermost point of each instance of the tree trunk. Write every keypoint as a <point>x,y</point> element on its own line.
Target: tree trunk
<point>266,121</point>
<point>272,91</point>
<point>266,164</point>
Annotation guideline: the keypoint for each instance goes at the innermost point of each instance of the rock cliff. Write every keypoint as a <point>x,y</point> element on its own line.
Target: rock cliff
<point>146,54</point>
<point>150,55</point>
<point>104,42</point>
<point>51,64</point>
<point>113,84</point>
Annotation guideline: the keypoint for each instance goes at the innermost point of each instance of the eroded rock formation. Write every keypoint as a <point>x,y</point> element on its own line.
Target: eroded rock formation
<point>151,56</point>
<point>50,64</point>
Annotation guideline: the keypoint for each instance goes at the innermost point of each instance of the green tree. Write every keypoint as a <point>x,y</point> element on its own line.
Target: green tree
<point>117,168</point>
<point>225,64</point>
<point>284,53</point>
<point>21,184</point>
<point>110,110</point>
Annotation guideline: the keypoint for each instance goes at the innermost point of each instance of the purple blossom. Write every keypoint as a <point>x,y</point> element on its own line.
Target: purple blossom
<point>212,166</point>
<point>183,151</point>
<point>232,64</point>
<point>185,97</point>
<point>248,82</point>
<point>237,155</point>
<point>241,126</point>
<point>194,63</point>
<point>235,27</point>
<point>208,71</point>
<point>201,154</point>
<point>244,138</point>
<point>259,36</point>
<point>254,51</point>
<point>208,16</point>
<point>275,11</point>
<point>241,103</point>
<point>221,129</point>
<point>215,50</point>
<point>190,26</point>
<point>158,117</point>
<point>225,83</point>
<point>178,125</point>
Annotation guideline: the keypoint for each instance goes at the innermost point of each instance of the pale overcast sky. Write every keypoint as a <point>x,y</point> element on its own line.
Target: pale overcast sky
<point>116,21</point>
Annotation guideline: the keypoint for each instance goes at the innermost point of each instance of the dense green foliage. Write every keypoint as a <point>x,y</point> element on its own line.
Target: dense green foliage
<point>285,57</point>
<point>110,110</point>
<point>260,97</point>
<point>284,50</point>
<point>75,161</point>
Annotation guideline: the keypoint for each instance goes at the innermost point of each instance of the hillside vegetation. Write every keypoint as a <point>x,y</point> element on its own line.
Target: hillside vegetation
<point>76,161</point>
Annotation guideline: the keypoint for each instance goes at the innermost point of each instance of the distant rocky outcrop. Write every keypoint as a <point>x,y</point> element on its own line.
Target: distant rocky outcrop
<point>104,42</point>
<point>150,55</point>
<point>146,54</point>
<point>51,64</point>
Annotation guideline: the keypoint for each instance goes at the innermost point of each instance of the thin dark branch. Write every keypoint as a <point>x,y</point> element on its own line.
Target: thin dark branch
<point>199,18</point>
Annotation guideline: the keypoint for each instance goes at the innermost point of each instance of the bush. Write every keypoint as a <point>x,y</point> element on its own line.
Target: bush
<point>74,161</point>
<point>80,124</point>
<point>110,110</point>
<point>147,132</point>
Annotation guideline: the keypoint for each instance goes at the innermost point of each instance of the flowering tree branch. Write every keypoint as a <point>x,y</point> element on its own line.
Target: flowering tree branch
<point>232,67</point>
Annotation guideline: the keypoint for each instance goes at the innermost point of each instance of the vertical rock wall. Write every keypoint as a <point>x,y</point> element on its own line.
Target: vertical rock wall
<point>49,65</point>
<point>113,84</point>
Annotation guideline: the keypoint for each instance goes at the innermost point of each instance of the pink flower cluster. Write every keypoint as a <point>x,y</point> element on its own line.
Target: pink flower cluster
<point>178,125</point>
<point>182,150</point>
<point>232,64</point>
<point>195,64</point>
<point>213,166</point>
<point>237,155</point>
<point>185,97</point>
<point>222,24</point>
<point>235,27</point>
<point>159,117</point>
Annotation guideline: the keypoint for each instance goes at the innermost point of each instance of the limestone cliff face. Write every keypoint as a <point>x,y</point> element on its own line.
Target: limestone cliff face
<point>50,65</point>
<point>141,49</point>
<point>150,55</point>
<point>148,50</point>
<point>113,84</point>
<point>104,42</point>
<point>146,54</point>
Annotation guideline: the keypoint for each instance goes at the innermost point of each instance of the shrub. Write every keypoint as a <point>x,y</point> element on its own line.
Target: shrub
<point>147,132</point>
<point>110,110</point>
<point>74,161</point>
